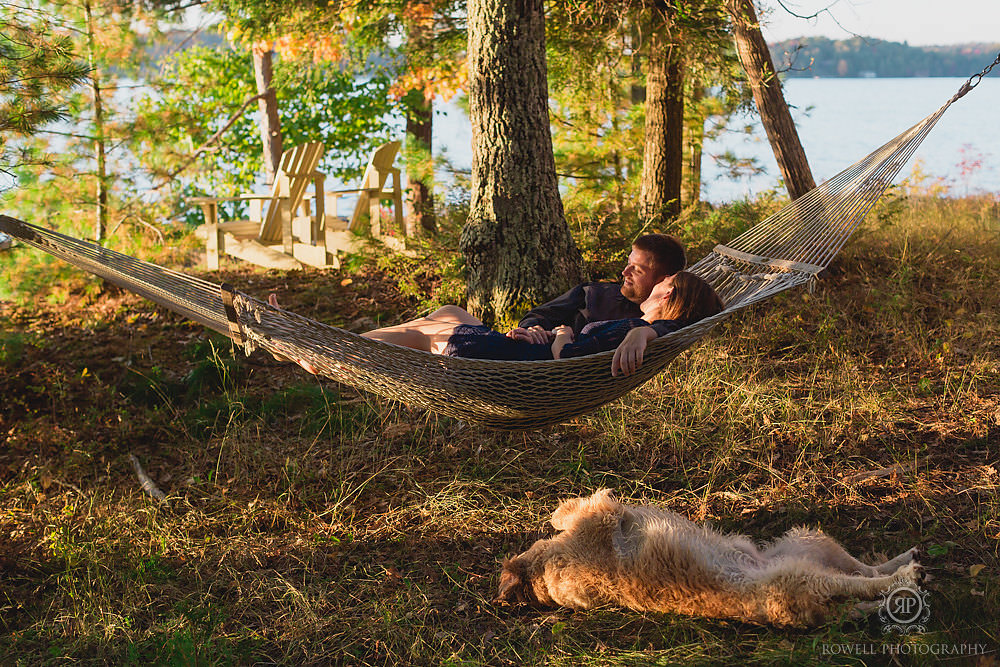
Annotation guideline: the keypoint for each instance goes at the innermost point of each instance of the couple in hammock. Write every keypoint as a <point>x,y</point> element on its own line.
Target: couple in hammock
<point>655,297</point>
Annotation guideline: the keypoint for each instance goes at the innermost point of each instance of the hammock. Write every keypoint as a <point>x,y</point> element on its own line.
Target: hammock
<point>788,249</point>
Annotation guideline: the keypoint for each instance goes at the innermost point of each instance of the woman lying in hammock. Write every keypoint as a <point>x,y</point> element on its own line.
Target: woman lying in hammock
<point>675,302</point>
<point>680,300</point>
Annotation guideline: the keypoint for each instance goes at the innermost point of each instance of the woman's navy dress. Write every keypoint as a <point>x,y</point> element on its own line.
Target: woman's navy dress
<point>481,342</point>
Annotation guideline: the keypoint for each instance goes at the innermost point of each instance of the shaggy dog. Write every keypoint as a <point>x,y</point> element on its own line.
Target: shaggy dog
<point>649,559</point>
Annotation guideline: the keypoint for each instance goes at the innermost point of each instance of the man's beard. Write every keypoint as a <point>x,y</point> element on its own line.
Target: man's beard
<point>629,292</point>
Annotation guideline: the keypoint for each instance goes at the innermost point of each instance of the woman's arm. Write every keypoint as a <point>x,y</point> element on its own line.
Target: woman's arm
<point>628,354</point>
<point>564,335</point>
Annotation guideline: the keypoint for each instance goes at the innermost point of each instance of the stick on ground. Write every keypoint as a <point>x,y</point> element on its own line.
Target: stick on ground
<point>145,482</point>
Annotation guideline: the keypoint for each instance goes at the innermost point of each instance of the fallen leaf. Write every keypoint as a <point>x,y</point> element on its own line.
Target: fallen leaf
<point>398,429</point>
<point>975,569</point>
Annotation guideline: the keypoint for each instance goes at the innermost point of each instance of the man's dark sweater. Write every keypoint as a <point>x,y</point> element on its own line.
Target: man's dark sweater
<point>589,302</point>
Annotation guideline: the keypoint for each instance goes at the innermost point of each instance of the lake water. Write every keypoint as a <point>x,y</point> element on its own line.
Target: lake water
<point>839,122</point>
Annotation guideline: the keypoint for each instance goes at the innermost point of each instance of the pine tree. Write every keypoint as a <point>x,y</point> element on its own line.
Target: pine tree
<point>36,69</point>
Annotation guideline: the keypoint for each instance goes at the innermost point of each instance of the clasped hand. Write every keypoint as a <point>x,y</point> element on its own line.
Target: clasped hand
<point>535,334</point>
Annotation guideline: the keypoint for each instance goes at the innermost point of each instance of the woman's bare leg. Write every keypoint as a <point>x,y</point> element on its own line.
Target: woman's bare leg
<point>429,334</point>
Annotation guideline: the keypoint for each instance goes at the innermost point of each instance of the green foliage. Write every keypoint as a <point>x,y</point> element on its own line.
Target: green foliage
<point>597,62</point>
<point>36,67</point>
<point>419,43</point>
<point>59,169</point>
<point>702,230</point>
<point>204,87</point>
<point>11,348</point>
<point>28,272</point>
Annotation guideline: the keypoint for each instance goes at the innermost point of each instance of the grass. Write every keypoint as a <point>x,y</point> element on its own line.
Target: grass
<point>309,524</point>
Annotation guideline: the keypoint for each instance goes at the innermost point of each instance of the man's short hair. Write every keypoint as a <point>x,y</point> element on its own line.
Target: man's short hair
<point>667,252</point>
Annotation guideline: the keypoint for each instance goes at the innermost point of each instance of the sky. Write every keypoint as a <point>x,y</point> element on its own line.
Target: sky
<point>918,22</point>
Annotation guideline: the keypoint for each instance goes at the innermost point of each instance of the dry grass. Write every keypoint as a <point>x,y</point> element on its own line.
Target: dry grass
<point>306,524</point>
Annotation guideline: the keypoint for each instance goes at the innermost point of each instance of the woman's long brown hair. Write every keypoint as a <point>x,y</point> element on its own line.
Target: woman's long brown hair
<point>692,299</point>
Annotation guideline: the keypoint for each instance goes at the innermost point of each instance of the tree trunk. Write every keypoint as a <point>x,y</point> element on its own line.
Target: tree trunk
<point>767,94</point>
<point>100,144</point>
<point>694,140</point>
<point>517,246</point>
<point>270,125</point>
<point>419,130</point>
<point>420,168</point>
<point>663,154</point>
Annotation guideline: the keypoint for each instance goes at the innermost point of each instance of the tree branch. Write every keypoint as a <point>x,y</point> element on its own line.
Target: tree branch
<point>825,10</point>
<point>211,140</point>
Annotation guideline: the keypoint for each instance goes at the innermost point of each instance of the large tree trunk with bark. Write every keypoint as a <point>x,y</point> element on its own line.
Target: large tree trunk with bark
<point>767,94</point>
<point>517,246</point>
<point>270,126</point>
<point>663,154</point>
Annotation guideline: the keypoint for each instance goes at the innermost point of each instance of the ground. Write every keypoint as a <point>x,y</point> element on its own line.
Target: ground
<point>306,523</point>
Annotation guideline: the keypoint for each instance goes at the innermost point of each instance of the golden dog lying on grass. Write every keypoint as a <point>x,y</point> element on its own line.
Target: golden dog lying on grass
<point>649,559</point>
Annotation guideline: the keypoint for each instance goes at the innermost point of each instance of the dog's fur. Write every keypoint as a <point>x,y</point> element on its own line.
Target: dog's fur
<point>649,559</point>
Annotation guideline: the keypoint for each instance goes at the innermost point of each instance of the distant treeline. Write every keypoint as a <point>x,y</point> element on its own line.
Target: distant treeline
<point>861,57</point>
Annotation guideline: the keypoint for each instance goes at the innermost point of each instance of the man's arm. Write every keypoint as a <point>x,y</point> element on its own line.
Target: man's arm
<point>561,310</point>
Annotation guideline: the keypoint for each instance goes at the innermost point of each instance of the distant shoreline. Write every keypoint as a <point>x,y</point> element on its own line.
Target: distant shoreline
<point>865,58</point>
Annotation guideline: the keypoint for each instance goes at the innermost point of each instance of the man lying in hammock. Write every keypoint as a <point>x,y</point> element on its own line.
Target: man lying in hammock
<point>673,303</point>
<point>653,258</point>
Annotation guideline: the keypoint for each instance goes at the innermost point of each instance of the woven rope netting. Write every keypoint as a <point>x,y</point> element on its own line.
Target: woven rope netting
<point>784,251</point>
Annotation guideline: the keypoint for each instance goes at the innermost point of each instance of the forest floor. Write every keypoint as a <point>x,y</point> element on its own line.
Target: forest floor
<point>306,523</point>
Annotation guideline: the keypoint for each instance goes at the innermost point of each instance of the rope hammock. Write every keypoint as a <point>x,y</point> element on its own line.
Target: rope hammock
<point>788,249</point>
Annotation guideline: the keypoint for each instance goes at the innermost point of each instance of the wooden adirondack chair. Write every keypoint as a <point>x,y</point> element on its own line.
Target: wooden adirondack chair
<point>342,234</point>
<point>267,237</point>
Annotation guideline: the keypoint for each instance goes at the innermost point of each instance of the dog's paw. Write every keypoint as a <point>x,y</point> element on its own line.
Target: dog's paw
<point>912,572</point>
<point>862,610</point>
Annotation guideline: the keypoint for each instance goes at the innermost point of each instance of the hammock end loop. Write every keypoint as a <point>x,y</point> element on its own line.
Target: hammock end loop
<point>235,330</point>
<point>966,87</point>
<point>974,80</point>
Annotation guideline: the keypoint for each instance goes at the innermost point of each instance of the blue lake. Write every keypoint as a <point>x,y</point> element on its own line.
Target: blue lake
<point>839,121</point>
